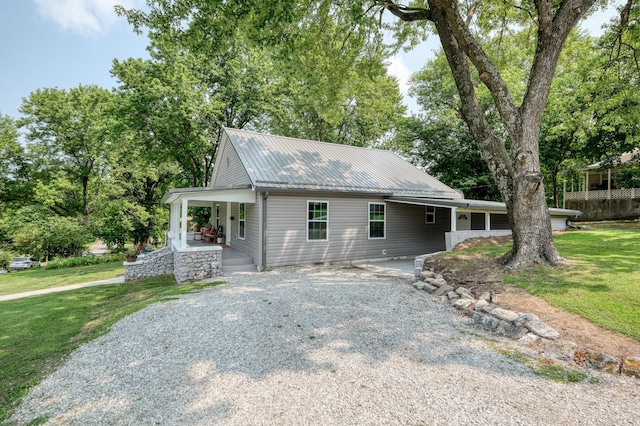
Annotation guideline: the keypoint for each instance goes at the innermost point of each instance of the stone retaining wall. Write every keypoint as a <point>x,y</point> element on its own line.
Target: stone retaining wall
<point>526,327</point>
<point>196,265</point>
<point>159,262</point>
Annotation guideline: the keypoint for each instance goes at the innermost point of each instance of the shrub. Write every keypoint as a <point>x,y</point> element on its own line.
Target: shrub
<point>70,262</point>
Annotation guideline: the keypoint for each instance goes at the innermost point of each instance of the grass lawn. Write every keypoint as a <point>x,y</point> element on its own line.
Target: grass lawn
<point>38,332</point>
<point>601,281</point>
<point>39,278</point>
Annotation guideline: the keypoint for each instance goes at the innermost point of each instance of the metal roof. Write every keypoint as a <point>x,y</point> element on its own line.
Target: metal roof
<point>278,162</point>
<point>624,158</point>
<point>474,205</point>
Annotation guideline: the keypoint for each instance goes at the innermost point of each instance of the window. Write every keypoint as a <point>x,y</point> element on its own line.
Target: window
<point>241,222</point>
<point>317,220</point>
<point>430,214</point>
<point>376,220</point>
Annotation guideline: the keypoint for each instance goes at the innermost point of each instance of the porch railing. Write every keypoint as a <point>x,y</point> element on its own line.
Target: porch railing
<point>603,194</point>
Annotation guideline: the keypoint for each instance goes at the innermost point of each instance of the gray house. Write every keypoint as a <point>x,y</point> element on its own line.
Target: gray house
<point>285,201</point>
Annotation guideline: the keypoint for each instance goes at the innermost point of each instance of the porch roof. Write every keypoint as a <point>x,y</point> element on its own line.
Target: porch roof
<point>473,205</point>
<point>203,197</point>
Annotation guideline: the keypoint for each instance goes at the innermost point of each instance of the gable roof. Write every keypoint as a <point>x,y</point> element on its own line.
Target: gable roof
<point>278,162</point>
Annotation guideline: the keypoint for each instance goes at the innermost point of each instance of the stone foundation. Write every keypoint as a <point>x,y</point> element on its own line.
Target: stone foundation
<point>159,262</point>
<point>190,264</point>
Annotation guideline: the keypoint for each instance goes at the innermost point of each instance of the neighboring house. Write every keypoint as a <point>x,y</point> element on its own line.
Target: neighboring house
<point>285,201</point>
<point>605,192</point>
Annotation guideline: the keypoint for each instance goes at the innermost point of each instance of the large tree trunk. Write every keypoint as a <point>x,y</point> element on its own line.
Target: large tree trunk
<point>517,173</point>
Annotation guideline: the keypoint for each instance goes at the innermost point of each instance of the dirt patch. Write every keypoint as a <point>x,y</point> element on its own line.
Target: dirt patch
<point>482,273</point>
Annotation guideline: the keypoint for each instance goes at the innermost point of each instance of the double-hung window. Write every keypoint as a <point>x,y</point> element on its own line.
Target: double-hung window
<point>317,220</point>
<point>376,221</point>
<point>241,221</point>
<point>430,214</point>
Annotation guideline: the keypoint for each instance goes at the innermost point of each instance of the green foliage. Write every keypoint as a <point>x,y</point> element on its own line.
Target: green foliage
<point>34,230</point>
<point>14,167</point>
<point>69,138</point>
<point>5,258</point>
<point>70,262</point>
<point>39,332</point>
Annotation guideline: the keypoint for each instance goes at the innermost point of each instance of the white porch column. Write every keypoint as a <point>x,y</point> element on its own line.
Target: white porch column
<point>227,231</point>
<point>174,221</point>
<point>586,185</point>
<point>564,193</point>
<point>454,218</point>
<point>487,221</point>
<point>609,184</point>
<point>184,223</point>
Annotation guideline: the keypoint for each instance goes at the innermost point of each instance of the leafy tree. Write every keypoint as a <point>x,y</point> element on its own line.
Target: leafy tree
<point>14,166</point>
<point>36,231</point>
<point>68,132</point>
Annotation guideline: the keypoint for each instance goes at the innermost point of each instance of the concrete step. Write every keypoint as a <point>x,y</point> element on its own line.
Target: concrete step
<point>231,269</point>
<point>236,261</point>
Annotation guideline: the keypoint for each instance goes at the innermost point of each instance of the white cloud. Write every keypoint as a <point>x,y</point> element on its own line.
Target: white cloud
<point>397,68</point>
<point>87,17</point>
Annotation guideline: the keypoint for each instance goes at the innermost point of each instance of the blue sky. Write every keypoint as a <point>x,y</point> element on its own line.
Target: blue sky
<point>65,43</point>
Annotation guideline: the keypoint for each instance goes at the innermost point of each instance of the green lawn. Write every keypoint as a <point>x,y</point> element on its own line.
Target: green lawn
<point>38,332</point>
<point>39,278</point>
<point>601,281</point>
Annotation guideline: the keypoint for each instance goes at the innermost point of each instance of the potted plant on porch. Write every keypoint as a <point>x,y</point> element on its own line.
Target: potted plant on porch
<point>131,255</point>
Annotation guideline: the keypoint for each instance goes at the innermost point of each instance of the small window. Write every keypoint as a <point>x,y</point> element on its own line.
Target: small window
<point>430,214</point>
<point>241,222</point>
<point>376,221</point>
<point>317,220</point>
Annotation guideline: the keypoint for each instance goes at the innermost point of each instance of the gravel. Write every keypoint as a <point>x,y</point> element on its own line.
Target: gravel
<point>311,345</point>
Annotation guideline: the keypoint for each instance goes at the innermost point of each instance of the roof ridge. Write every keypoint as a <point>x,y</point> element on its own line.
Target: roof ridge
<point>309,140</point>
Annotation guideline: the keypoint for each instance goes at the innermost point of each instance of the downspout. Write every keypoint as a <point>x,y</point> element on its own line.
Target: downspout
<point>263,258</point>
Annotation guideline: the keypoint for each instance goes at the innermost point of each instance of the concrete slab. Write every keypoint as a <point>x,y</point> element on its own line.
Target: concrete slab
<point>396,268</point>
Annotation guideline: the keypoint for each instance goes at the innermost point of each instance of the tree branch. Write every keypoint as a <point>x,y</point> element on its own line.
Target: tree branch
<point>489,74</point>
<point>406,13</point>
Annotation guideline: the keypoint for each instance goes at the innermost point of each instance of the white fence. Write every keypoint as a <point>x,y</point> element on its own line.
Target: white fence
<point>614,194</point>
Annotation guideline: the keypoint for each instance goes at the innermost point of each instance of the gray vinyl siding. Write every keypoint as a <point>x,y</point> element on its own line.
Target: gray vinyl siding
<point>348,235</point>
<point>230,171</point>
<point>477,221</point>
<point>558,223</point>
<point>499,221</point>
<point>250,245</point>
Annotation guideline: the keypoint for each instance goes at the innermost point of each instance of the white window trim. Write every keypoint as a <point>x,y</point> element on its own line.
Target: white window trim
<point>384,237</point>
<point>427,214</point>
<point>307,216</point>
<point>242,220</point>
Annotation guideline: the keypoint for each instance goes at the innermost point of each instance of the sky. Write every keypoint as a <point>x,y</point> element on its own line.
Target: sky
<point>65,43</point>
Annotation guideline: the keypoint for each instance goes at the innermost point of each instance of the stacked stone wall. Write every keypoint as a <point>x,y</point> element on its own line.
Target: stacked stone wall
<point>197,265</point>
<point>159,262</point>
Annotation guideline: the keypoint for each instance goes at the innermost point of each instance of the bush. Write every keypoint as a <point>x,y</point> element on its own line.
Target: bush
<point>38,232</point>
<point>70,262</point>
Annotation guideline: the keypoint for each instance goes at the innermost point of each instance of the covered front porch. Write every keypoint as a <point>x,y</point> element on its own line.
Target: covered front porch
<point>219,202</point>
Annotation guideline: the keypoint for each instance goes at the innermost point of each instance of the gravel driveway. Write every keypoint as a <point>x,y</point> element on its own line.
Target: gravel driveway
<point>311,346</point>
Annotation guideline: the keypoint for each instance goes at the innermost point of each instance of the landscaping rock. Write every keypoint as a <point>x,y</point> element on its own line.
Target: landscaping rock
<point>509,329</point>
<point>439,282</point>
<point>631,366</point>
<point>486,296</point>
<point>563,350</point>
<point>487,321</point>
<point>481,304</point>
<point>442,290</point>
<point>452,295</point>
<point>522,318</point>
<point>602,362</point>
<point>464,292</point>
<point>427,274</point>
<point>462,303</point>
<point>529,339</point>
<point>541,329</point>
<point>489,307</point>
<point>504,314</point>
<point>428,287</point>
